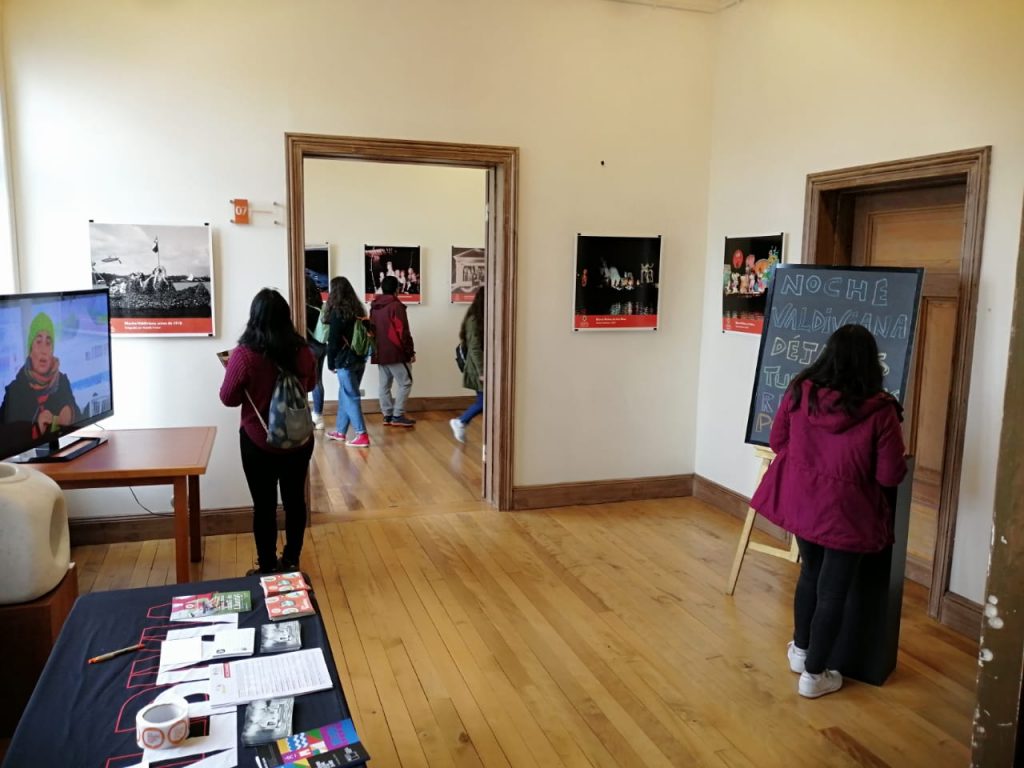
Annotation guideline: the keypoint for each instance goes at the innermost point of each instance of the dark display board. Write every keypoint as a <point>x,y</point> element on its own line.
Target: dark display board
<point>807,304</point>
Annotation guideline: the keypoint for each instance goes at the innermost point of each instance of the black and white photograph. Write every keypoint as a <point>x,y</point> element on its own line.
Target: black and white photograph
<point>160,278</point>
<point>399,261</point>
<point>267,720</point>
<point>617,282</point>
<point>467,273</point>
<point>276,638</point>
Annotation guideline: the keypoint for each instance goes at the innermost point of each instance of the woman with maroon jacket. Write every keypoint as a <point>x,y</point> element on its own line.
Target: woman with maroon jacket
<point>269,343</point>
<point>838,443</point>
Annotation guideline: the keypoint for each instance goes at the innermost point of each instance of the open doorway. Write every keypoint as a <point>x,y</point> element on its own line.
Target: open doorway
<point>500,165</point>
<point>923,212</point>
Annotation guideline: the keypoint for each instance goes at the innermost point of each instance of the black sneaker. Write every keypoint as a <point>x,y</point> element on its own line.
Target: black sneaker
<point>387,420</point>
<point>284,565</point>
<point>402,421</point>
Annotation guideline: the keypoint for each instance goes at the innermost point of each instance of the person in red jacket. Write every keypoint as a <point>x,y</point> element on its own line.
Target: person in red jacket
<point>270,342</point>
<point>838,444</point>
<point>394,352</point>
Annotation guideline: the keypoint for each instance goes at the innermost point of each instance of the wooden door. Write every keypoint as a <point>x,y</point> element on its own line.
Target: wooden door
<point>921,228</point>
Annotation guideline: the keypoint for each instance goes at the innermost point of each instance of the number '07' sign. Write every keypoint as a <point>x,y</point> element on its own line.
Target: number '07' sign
<point>241,211</point>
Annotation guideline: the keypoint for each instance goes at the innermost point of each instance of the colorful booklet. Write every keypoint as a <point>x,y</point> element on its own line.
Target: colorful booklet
<point>290,605</point>
<point>331,746</point>
<point>201,607</point>
<point>277,583</point>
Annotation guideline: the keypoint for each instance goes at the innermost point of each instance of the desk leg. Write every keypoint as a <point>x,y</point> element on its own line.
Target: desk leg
<point>181,529</point>
<point>195,535</point>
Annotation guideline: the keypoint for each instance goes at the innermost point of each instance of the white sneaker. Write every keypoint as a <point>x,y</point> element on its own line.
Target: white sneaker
<point>813,686</point>
<point>458,429</point>
<point>318,421</point>
<point>797,657</point>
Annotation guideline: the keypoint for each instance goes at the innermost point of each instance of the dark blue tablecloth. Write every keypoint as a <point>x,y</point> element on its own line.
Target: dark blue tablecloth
<point>83,715</point>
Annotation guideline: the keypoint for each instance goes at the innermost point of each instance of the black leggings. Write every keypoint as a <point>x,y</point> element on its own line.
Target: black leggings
<point>825,578</point>
<point>263,472</point>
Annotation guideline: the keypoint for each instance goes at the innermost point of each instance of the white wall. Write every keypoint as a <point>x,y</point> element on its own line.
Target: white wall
<point>350,204</point>
<point>141,112</point>
<point>806,86</point>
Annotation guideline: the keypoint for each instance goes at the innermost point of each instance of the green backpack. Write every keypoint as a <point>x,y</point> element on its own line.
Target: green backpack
<point>362,343</point>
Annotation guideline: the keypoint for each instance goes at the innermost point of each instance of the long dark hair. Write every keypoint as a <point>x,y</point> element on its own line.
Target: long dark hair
<point>270,330</point>
<point>849,365</point>
<point>475,311</point>
<point>343,300</point>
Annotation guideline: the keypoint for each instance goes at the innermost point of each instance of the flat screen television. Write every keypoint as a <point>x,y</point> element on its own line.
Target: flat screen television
<point>55,372</point>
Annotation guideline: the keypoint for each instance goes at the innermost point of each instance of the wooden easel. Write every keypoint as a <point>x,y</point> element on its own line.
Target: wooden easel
<point>791,553</point>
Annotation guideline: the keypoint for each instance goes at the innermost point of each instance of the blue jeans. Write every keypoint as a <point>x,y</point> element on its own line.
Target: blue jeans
<point>318,390</point>
<point>350,405</point>
<point>475,409</point>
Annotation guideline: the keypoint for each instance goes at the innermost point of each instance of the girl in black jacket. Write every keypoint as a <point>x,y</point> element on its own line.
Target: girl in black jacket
<point>343,311</point>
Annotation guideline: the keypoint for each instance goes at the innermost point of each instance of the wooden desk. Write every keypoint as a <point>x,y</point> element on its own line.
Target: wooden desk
<point>174,456</point>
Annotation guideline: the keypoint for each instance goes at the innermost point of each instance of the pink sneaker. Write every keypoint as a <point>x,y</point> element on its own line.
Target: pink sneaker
<point>359,441</point>
<point>336,436</point>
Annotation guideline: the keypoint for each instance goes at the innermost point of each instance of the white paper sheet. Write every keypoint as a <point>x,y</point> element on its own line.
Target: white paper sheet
<point>176,652</point>
<point>228,621</point>
<point>269,677</point>
<point>169,676</point>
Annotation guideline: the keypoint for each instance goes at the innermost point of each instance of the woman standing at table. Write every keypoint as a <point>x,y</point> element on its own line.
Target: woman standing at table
<point>269,343</point>
<point>838,445</point>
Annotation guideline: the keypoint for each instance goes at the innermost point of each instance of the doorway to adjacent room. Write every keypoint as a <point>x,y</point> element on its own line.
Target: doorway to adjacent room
<point>923,212</point>
<point>501,166</point>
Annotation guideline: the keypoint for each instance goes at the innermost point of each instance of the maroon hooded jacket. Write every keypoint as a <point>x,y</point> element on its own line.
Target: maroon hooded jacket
<point>825,484</point>
<point>393,341</point>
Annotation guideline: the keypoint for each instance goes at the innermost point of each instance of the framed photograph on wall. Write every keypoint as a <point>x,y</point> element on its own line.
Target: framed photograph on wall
<point>318,270</point>
<point>748,268</point>
<point>617,281</point>
<point>160,278</point>
<point>467,273</point>
<point>399,261</point>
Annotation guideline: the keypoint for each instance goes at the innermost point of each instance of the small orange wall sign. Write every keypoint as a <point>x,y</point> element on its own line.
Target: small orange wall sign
<point>241,207</point>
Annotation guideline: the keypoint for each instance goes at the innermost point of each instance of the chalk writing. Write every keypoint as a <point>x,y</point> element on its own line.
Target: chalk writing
<point>808,304</point>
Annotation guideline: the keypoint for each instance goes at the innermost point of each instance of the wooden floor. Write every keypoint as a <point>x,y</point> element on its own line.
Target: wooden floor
<point>582,636</point>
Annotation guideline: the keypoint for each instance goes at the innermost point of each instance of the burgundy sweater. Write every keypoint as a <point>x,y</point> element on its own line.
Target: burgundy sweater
<point>825,484</point>
<point>394,341</point>
<point>254,372</point>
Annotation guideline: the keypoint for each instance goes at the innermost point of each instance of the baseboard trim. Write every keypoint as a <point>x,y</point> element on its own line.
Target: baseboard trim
<point>601,491</point>
<point>108,530</point>
<point>733,503</point>
<point>919,571</point>
<point>412,405</point>
<point>961,615</point>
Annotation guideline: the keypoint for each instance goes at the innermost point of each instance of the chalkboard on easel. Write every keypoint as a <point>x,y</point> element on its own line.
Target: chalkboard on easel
<point>807,304</point>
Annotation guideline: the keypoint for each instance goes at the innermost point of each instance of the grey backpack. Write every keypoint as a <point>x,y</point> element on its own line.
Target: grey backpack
<point>289,423</point>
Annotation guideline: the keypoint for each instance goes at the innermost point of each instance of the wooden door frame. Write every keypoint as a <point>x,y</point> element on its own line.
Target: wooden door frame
<point>997,734</point>
<point>502,165</point>
<point>828,223</point>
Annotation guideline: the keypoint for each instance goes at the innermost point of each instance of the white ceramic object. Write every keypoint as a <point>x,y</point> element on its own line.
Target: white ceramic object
<point>35,545</point>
